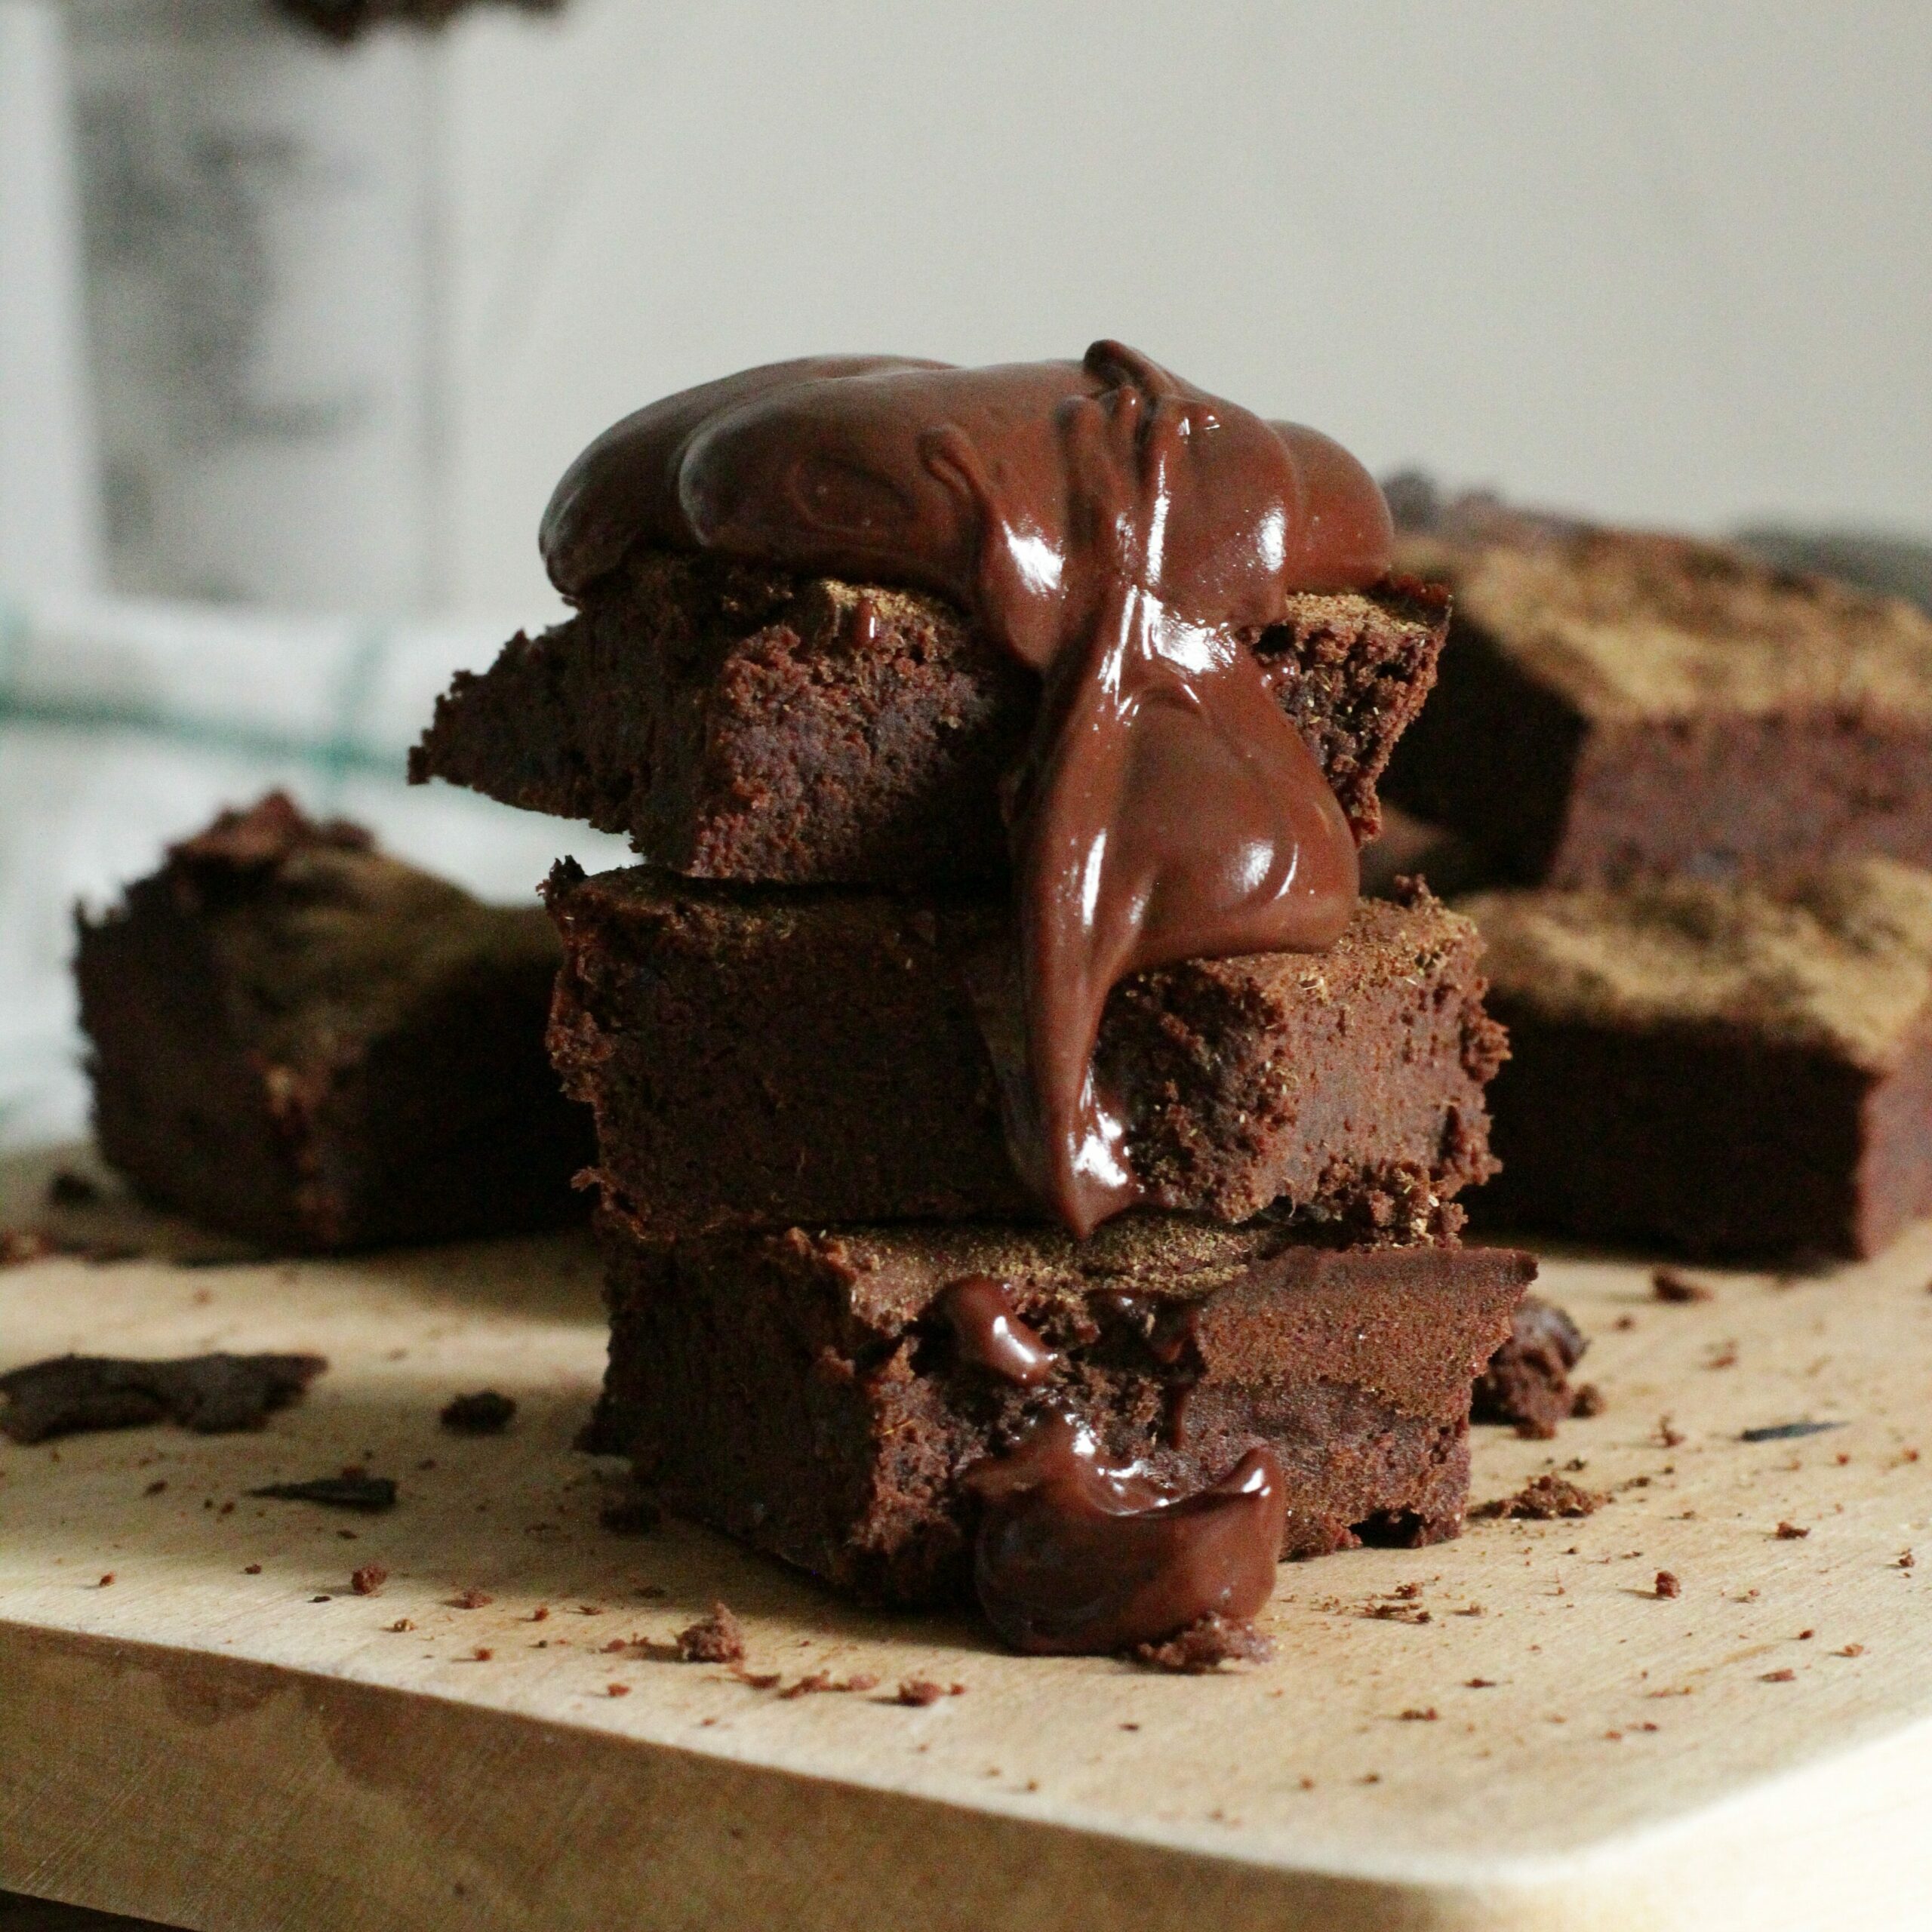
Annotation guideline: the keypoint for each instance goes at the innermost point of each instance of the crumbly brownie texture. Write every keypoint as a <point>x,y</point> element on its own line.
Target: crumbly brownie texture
<point>1527,1380</point>
<point>738,722</point>
<point>769,1056</point>
<point>1736,1070</point>
<point>801,1392</point>
<point>1617,705</point>
<point>348,19</point>
<point>301,1040</point>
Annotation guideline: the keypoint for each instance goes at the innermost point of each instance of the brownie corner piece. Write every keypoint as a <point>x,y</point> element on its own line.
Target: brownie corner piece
<point>1180,1345</point>
<point>1740,1070</point>
<point>740,722</point>
<point>1614,705</point>
<point>300,1039</point>
<point>743,1049</point>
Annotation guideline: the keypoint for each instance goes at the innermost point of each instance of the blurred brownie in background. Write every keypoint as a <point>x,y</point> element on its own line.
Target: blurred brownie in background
<point>1617,705</point>
<point>1740,1070</point>
<point>739,721</point>
<point>301,1040</point>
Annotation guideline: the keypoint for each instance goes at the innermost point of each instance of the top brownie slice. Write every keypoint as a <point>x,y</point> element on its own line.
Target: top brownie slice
<point>740,722</point>
<point>1618,704</point>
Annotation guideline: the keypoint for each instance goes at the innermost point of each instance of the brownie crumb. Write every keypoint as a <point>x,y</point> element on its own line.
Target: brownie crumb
<point>349,1490</point>
<point>918,1692</point>
<point>69,1190</point>
<point>251,1569</point>
<point>718,1639</point>
<point>821,1679</point>
<point>1527,1380</point>
<point>634,1512</point>
<point>1668,1285</point>
<point>1543,1500</point>
<point>1588,1400</point>
<point>1786,1676</point>
<point>1205,1645</point>
<point>1669,1437</point>
<point>369,1580</point>
<point>486,1412</point>
<point>1425,1714</point>
<point>1667,1584</point>
<point>107,1577</point>
<point>616,1690</point>
<point>1790,1533</point>
<point>1906,1559</point>
<point>156,1487</point>
<point>212,1394</point>
<point>1850,1650</point>
<point>402,1623</point>
<point>1479,1683</point>
<point>472,1598</point>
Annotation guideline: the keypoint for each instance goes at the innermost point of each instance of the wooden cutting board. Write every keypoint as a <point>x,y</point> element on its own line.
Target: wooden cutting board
<point>1511,1730</point>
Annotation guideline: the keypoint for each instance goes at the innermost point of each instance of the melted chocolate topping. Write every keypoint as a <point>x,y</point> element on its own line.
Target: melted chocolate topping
<point>990,1336</point>
<point>1076,1554</point>
<point>1127,536</point>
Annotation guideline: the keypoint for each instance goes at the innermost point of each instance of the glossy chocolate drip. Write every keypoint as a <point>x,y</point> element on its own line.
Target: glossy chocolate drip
<point>1076,1554</point>
<point>1128,537</point>
<point>990,1336</point>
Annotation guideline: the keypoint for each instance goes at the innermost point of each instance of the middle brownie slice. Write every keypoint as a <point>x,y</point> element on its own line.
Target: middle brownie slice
<point>773,1057</point>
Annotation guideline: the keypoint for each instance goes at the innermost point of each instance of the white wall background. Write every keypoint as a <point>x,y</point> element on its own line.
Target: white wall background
<point>1666,259</point>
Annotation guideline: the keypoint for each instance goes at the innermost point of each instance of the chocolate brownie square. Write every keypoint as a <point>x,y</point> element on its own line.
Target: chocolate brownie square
<point>740,722</point>
<point>1735,1070</point>
<point>301,1040</point>
<point>772,1056</point>
<point>807,1391</point>
<point>1617,705</point>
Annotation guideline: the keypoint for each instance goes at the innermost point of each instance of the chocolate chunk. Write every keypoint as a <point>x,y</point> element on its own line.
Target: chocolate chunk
<point>1527,1380</point>
<point>1785,1432</point>
<point>1210,1641</point>
<point>213,1395</point>
<point>486,1412</point>
<point>342,1492</point>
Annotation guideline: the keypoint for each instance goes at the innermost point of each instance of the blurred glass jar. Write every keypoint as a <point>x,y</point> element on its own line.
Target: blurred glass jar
<point>261,242</point>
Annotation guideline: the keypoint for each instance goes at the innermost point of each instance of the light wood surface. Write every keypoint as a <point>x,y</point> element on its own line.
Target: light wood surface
<point>212,1745</point>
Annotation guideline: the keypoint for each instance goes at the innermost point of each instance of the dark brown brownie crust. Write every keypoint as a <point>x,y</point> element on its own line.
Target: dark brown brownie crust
<point>797,1391</point>
<point>769,1056</point>
<point>1617,705</point>
<point>740,723</point>
<point>303,1041</point>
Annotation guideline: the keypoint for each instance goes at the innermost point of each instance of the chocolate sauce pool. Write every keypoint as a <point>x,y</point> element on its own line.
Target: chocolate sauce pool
<point>1077,1552</point>
<point>1128,537</point>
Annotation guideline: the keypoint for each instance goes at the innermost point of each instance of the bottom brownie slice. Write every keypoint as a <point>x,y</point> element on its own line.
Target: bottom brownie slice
<point>840,1398</point>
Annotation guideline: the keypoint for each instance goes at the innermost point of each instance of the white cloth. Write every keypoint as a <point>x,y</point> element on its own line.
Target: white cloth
<point>125,724</point>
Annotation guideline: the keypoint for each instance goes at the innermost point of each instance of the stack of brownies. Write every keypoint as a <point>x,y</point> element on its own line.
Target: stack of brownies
<point>887,1301</point>
<point>1703,787</point>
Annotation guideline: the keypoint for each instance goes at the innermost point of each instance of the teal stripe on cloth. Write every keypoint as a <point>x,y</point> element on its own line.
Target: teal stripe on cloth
<point>336,756</point>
